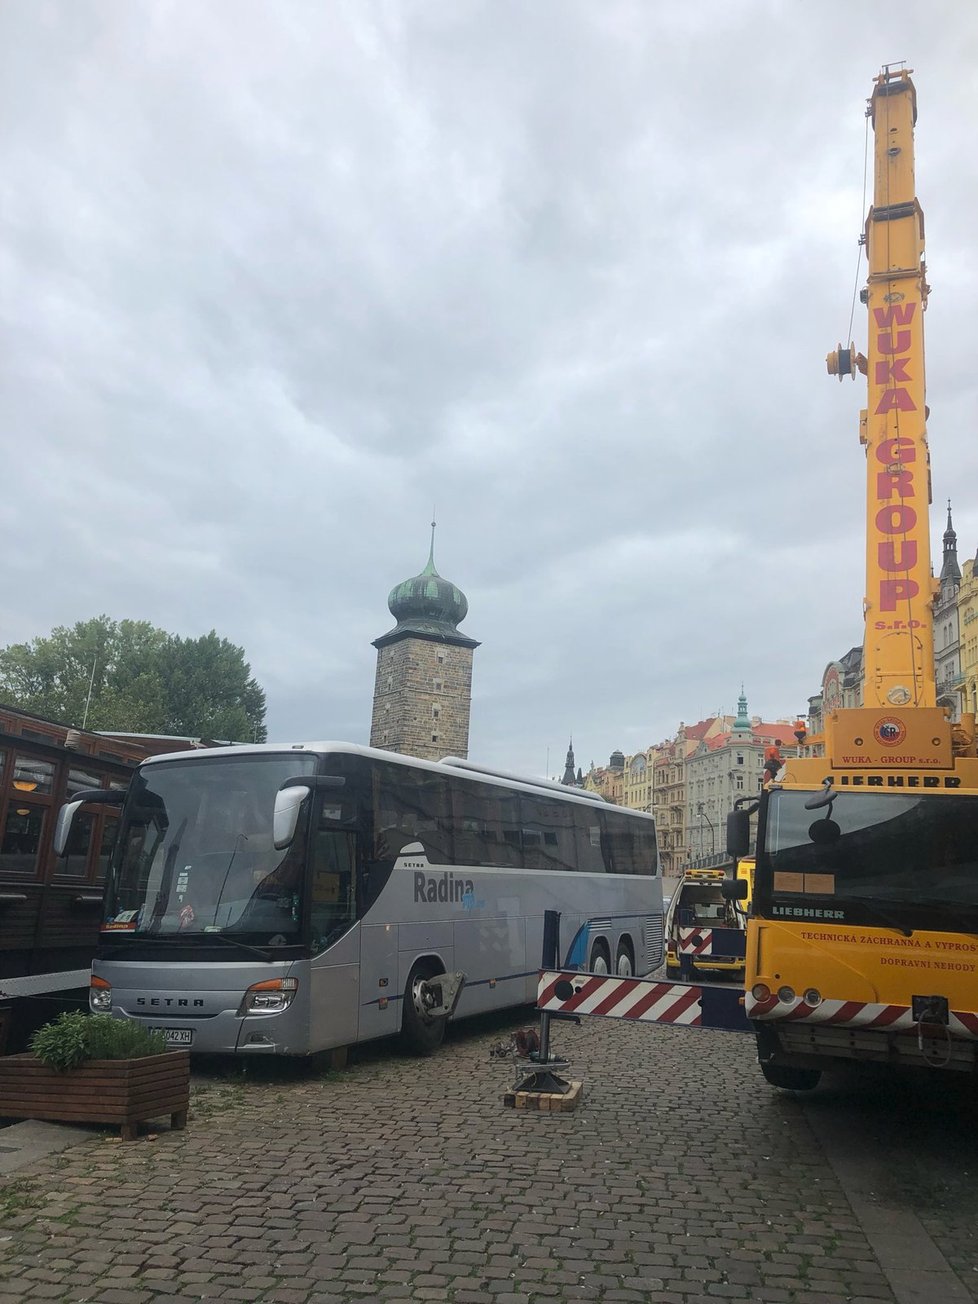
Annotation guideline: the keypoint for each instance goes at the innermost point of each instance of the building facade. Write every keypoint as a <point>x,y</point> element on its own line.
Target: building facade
<point>947,646</point>
<point>637,780</point>
<point>968,640</point>
<point>608,781</point>
<point>724,767</point>
<point>423,685</point>
<point>669,805</point>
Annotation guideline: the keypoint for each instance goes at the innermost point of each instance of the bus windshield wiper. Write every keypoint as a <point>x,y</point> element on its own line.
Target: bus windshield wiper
<point>883,915</point>
<point>242,946</point>
<point>188,941</point>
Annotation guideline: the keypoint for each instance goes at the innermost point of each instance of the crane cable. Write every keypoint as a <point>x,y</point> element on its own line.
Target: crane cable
<point>855,288</point>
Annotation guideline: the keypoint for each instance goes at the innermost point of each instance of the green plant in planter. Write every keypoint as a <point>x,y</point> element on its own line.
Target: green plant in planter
<point>76,1037</point>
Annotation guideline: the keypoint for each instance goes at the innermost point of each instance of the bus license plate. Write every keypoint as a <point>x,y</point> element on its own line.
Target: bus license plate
<point>178,1036</point>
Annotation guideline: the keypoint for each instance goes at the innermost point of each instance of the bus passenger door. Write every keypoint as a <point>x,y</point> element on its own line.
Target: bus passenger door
<point>334,970</point>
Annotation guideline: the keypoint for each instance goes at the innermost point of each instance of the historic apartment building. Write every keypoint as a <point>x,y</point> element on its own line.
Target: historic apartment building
<point>722,769</point>
<point>955,647</point>
<point>669,796</point>
<point>423,685</point>
<point>690,782</point>
<point>968,622</point>
<point>608,780</point>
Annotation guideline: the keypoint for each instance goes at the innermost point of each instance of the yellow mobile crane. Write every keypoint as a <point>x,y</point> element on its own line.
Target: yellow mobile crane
<point>863,936</point>
<point>862,930</point>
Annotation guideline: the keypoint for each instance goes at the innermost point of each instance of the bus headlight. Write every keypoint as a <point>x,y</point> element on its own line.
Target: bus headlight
<point>269,997</point>
<point>99,995</point>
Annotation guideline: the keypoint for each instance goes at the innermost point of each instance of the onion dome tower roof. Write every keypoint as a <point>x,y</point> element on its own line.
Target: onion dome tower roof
<point>742,724</point>
<point>427,606</point>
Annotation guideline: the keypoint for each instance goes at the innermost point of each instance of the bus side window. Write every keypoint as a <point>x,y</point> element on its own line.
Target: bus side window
<point>590,856</point>
<point>413,806</point>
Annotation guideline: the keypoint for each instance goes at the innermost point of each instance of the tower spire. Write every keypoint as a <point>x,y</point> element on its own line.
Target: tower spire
<point>742,723</point>
<point>430,568</point>
<point>570,777</point>
<point>950,570</point>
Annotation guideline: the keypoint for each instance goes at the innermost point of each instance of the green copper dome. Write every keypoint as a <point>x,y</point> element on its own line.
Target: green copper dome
<point>428,597</point>
<point>742,724</point>
<point>427,606</point>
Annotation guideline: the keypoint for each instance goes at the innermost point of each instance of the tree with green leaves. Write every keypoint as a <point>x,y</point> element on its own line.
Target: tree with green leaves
<point>128,676</point>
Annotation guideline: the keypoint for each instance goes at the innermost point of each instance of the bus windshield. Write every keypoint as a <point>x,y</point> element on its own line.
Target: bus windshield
<point>870,857</point>
<point>195,853</point>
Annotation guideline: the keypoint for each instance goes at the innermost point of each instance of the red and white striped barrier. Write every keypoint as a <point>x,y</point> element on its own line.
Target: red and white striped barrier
<point>622,998</point>
<point>643,1000</point>
<point>852,1014</point>
<point>696,941</point>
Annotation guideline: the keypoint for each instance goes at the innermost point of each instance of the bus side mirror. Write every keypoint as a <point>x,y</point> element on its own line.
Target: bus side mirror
<point>738,834</point>
<point>66,815</point>
<point>288,803</point>
<point>734,889</point>
<point>62,830</point>
<point>285,816</point>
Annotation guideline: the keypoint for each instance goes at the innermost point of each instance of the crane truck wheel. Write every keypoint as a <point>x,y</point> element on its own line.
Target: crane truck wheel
<point>789,1079</point>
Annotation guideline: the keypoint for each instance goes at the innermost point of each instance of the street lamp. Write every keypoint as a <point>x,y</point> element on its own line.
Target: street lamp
<point>713,837</point>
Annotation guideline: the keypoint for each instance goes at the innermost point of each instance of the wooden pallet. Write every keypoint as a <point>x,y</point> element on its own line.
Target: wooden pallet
<point>546,1101</point>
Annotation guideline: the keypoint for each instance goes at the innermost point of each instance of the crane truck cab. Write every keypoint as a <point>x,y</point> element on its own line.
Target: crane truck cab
<point>699,902</point>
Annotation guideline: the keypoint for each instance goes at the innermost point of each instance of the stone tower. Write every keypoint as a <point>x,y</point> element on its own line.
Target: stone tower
<point>423,689</point>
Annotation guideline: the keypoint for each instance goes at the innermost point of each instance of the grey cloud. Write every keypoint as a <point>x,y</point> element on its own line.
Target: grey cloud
<point>276,279</point>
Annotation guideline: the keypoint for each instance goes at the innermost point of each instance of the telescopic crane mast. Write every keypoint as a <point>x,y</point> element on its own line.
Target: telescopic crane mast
<point>898,649</point>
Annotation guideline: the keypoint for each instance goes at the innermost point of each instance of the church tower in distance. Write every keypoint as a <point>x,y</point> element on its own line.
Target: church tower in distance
<point>423,689</point>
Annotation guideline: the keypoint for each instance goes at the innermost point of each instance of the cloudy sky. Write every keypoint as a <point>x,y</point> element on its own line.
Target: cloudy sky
<point>278,278</point>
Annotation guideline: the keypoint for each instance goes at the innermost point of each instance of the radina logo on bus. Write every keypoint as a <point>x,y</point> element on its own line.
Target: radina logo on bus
<point>446,887</point>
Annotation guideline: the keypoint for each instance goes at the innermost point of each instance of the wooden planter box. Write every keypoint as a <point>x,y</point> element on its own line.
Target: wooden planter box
<point>124,1092</point>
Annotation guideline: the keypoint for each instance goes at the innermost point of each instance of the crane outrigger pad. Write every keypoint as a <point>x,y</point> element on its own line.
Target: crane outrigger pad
<point>643,1000</point>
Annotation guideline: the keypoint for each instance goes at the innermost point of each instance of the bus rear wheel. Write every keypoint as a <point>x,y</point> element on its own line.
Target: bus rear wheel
<point>420,1033</point>
<point>789,1079</point>
<point>625,962</point>
<point>600,958</point>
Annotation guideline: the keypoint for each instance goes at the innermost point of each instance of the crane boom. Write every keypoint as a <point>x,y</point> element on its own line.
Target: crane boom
<point>898,643</point>
<point>898,651</point>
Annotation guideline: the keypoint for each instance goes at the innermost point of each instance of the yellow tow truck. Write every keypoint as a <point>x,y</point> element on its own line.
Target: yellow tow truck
<point>698,906</point>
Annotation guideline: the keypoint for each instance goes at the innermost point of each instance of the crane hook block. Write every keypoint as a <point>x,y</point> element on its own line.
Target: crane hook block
<point>842,361</point>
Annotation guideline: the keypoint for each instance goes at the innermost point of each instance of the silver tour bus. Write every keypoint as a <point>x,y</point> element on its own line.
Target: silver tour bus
<point>285,900</point>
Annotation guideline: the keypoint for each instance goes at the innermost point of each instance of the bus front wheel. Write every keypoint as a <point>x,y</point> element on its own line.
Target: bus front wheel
<point>420,1033</point>
<point>789,1079</point>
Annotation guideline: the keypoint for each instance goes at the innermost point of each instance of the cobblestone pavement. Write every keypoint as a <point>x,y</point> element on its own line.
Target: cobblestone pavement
<point>683,1178</point>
